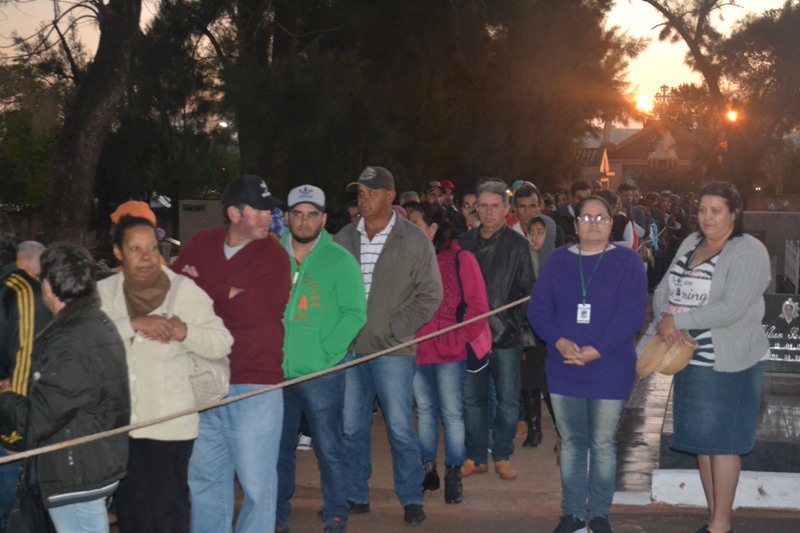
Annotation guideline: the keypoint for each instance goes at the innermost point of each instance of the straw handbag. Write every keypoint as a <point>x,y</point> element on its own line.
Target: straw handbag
<point>666,358</point>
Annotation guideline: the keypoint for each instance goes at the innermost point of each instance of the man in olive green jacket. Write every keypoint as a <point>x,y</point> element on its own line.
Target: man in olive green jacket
<point>404,290</point>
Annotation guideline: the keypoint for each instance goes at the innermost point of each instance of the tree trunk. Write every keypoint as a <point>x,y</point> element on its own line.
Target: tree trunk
<point>87,123</point>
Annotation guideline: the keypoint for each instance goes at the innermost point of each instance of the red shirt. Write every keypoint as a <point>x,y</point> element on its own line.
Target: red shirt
<point>254,316</point>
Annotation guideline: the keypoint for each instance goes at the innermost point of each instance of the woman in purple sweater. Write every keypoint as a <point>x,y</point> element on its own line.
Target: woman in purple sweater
<point>442,361</point>
<point>588,305</point>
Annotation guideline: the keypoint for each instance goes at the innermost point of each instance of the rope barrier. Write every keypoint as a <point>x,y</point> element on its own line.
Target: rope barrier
<point>225,401</point>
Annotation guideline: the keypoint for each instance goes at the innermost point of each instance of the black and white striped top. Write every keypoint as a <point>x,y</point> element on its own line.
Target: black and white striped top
<point>689,289</point>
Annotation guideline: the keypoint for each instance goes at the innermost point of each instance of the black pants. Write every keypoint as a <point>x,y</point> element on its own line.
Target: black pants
<point>154,496</point>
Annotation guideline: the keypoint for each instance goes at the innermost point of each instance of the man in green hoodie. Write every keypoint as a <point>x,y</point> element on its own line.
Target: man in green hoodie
<point>326,310</point>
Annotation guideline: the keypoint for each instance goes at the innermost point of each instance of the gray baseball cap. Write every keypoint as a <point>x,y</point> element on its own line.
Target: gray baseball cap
<point>307,194</point>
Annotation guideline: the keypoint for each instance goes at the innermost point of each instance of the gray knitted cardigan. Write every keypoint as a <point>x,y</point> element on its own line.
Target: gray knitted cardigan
<point>735,305</point>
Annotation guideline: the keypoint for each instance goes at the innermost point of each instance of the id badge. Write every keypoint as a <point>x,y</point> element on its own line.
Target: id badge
<point>584,313</point>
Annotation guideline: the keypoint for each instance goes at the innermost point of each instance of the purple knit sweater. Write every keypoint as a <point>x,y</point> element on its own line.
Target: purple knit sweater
<point>618,296</point>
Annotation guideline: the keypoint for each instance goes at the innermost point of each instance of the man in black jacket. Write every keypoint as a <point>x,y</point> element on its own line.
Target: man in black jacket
<point>22,315</point>
<point>506,261</point>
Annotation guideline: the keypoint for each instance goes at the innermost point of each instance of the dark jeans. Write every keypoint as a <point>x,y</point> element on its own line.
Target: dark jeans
<point>9,475</point>
<point>154,496</point>
<point>503,370</point>
<point>322,402</point>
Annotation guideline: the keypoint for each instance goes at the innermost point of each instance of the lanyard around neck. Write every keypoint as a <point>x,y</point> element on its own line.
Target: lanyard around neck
<point>585,283</point>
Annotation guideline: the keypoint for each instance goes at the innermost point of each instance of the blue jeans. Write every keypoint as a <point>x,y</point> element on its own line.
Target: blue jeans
<point>439,390</point>
<point>587,427</point>
<point>240,438</point>
<point>389,378</point>
<point>84,517</point>
<point>9,475</point>
<point>322,401</point>
<point>503,370</point>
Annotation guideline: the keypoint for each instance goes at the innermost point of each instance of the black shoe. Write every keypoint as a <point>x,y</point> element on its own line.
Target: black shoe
<point>414,515</point>
<point>569,524</point>
<point>705,529</point>
<point>453,489</point>
<point>599,524</point>
<point>358,508</point>
<point>534,437</point>
<point>431,480</point>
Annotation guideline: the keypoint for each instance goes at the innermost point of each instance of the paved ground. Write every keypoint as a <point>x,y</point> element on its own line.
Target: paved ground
<point>529,504</point>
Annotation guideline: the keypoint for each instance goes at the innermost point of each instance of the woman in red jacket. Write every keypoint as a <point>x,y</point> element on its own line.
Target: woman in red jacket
<point>443,360</point>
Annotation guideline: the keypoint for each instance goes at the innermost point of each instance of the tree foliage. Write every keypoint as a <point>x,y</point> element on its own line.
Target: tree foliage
<point>316,90</point>
<point>431,89</point>
<point>762,60</point>
<point>692,21</point>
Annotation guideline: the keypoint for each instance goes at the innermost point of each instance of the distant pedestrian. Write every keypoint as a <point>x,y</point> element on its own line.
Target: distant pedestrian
<point>404,289</point>
<point>246,273</point>
<point>327,308</point>
<point>23,314</point>
<point>78,387</point>
<point>161,316</point>
<point>442,360</point>
<point>506,262</point>
<point>588,304</point>
<point>714,289</point>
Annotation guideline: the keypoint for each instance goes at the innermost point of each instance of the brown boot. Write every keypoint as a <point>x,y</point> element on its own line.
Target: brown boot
<point>470,467</point>
<point>522,428</point>
<point>505,470</point>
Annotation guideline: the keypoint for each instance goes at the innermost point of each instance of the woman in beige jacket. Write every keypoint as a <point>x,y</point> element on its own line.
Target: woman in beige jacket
<point>154,495</point>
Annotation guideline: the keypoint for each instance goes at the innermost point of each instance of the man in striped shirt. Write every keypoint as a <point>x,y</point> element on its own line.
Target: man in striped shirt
<point>22,315</point>
<point>404,290</point>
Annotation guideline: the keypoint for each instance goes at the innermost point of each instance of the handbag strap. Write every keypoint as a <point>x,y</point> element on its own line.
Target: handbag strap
<point>173,293</point>
<point>462,304</point>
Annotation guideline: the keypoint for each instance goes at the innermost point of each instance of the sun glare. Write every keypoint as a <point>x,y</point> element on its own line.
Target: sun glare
<point>644,104</point>
<point>733,115</point>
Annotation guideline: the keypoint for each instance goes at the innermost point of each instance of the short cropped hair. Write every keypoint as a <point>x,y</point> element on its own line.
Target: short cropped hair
<point>579,185</point>
<point>493,186</point>
<point>70,271</point>
<point>526,190</point>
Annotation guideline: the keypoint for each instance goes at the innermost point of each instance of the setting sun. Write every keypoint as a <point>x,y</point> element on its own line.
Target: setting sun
<point>644,104</point>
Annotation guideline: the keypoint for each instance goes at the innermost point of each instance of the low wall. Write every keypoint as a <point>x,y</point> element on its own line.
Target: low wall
<point>774,229</point>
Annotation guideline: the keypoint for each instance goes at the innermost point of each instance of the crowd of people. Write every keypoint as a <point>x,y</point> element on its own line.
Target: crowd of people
<point>80,356</point>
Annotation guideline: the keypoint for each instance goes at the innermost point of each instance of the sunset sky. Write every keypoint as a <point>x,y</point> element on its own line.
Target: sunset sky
<point>660,64</point>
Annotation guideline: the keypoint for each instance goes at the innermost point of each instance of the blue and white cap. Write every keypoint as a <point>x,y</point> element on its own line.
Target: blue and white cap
<point>307,194</point>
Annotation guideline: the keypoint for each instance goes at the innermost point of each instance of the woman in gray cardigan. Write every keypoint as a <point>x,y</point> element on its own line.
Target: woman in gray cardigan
<point>714,288</point>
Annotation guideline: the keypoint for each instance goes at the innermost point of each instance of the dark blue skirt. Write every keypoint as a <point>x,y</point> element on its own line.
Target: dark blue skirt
<point>715,413</point>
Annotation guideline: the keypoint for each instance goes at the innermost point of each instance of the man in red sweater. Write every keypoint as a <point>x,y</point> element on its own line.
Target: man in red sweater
<point>247,274</point>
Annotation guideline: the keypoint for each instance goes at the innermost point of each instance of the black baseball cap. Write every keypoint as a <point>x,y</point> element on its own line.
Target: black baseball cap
<point>251,190</point>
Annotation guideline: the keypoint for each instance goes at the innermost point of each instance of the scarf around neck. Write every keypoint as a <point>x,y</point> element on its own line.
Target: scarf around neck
<point>143,297</point>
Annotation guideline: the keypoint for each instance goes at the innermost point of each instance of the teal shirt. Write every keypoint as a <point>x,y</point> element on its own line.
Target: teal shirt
<point>326,310</point>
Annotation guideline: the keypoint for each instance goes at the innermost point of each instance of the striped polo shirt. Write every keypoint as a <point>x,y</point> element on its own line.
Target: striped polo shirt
<point>371,249</point>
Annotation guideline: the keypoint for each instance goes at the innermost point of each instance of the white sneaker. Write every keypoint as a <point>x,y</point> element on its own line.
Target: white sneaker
<point>303,443</point>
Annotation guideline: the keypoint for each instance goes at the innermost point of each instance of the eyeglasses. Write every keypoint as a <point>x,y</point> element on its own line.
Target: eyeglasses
<point>597,219</point>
